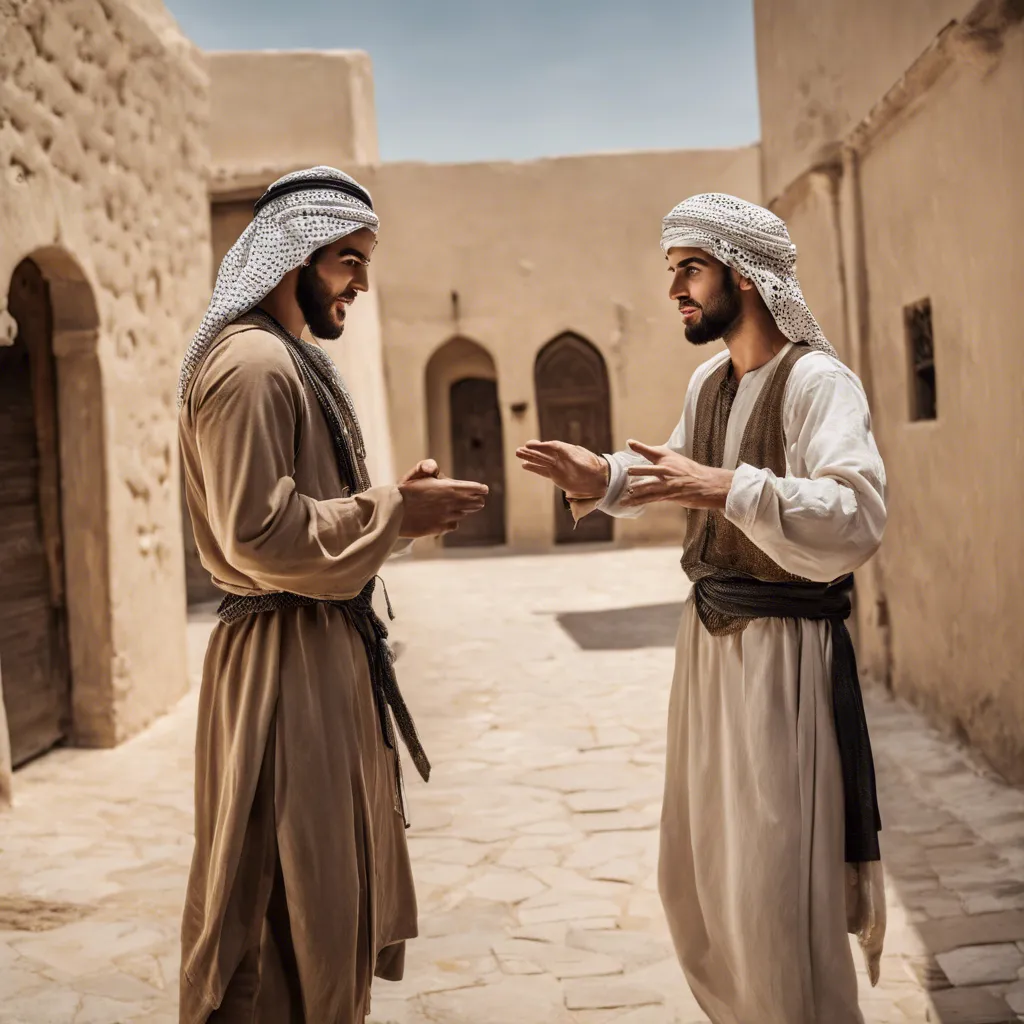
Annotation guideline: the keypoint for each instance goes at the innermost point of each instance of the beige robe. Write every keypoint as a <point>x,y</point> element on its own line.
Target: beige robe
<point>300,887</point>
<point>752,873</point>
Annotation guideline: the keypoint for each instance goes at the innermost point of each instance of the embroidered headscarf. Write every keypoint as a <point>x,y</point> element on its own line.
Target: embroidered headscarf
<point>755,243</point>
<point>297,215</point>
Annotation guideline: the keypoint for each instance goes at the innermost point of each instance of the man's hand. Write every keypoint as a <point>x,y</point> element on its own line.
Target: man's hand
<point>423,470</point>
<point>434,506</point>
<point>577,471</point>
<point>674,477</point>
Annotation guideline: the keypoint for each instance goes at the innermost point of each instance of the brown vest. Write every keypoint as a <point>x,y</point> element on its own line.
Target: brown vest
<point>714,546</point>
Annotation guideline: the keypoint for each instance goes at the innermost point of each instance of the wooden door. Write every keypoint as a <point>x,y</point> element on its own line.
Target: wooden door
<point>573,405</point>
<point>478,454</point>
<point>33,631</point>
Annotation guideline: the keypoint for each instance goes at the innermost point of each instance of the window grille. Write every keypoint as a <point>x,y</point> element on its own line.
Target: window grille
<point>917,322</point>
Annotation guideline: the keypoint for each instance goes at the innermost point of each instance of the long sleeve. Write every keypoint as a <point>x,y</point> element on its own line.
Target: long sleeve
<point>248,415</point>
<point>828,518</point>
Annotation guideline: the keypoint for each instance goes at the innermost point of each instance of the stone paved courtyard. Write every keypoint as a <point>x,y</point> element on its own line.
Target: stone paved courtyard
<point>535,843</point>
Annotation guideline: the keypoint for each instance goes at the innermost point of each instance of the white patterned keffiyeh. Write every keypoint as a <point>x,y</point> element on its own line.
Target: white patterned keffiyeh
<point>297,215</point>
<point>755,243</point>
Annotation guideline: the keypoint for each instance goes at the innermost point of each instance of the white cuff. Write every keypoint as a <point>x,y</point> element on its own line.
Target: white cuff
<point>744,496</point>
<point>616,482</point>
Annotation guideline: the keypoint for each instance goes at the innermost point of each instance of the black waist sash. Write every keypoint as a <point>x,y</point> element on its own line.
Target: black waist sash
<point>364,620</point>
<point>746,598</point>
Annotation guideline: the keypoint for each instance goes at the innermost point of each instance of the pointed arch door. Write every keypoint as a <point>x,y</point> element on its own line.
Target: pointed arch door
<point>574,405</point>
<point>34,663</point>
<point>478,453</point>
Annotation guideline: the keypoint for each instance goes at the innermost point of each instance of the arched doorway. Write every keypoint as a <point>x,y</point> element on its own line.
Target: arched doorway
<point>56,649</point>
<point>34,661</point>
<point>465,433</point>
<point>573,405</point>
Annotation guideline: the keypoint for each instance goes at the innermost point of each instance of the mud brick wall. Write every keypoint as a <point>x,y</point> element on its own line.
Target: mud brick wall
<point>103,115</point>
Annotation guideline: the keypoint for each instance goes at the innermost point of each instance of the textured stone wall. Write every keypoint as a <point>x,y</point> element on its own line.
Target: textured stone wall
<point>103,111</point>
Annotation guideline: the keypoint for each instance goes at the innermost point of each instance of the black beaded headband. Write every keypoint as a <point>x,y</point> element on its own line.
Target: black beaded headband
<point>286,188</point>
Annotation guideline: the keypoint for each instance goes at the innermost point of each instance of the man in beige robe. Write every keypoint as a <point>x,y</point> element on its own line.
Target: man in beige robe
<point>769,848</point>
<point>300,889</point>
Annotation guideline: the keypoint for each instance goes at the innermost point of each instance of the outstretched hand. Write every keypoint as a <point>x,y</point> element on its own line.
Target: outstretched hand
<point>435,505</point>
<point>573,469</point>
<point>674,477</point>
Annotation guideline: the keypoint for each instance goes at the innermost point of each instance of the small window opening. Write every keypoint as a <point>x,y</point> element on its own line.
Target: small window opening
<point>917,322</point>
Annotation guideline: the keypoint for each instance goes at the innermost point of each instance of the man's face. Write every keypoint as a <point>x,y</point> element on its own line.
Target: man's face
<point>706,293</point>
<point>328,286</point>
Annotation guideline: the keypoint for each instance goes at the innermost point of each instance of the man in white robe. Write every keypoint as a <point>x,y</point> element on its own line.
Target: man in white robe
<point>769,849</point>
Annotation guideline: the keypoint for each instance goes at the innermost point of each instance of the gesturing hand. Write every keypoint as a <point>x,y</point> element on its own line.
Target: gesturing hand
<point>577,471</point>
<point>423,470</point>
<point>674,477</point>
<point>434,506</point>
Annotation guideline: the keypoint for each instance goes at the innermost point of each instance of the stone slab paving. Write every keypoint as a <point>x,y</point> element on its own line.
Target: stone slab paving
<point>534,845</point>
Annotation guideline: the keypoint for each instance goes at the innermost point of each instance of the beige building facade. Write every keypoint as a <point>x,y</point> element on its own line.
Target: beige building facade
<point>103,266</point>
<point>893,137</point>
<point>547,279</point>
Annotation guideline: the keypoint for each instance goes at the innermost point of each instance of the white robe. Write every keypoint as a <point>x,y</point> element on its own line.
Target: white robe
<point>752,872</point>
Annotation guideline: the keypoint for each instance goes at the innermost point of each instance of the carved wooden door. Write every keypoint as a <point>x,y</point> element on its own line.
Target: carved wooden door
<point>573,405</point>
<point>478,454</point>
<point>34,665</point>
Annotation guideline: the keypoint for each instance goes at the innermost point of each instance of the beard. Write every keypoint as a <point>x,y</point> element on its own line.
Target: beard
<point>317,302</point>
<point>719,315</point>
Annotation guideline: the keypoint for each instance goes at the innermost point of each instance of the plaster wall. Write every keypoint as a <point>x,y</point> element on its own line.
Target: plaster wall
<point>942,209</point>
<point>103,161</point>
<point>532,250</point>
<point>822,65</point>
<point>290,107</point>
<point>811,214</point>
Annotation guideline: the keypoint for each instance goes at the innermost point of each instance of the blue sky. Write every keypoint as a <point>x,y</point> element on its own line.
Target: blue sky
<point>493,79</point>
